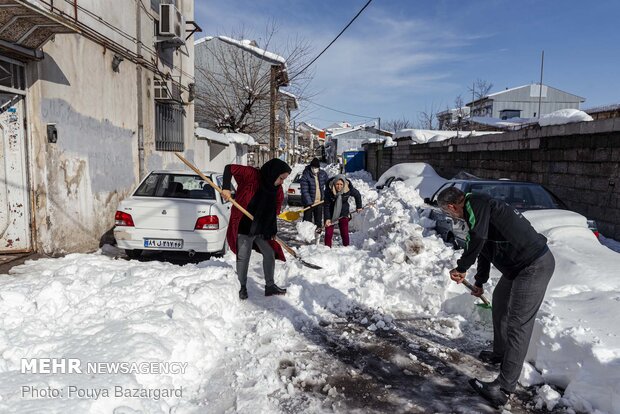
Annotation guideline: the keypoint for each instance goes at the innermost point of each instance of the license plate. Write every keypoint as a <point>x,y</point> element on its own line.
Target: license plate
<point>163,243</point>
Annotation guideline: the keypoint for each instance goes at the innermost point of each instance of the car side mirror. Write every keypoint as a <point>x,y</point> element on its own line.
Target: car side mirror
<point>427,201</point>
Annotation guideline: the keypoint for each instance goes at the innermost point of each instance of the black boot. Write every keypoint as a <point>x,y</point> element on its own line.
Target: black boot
<point>490,357</point>
<point>243,293</point>
<point>490,391</point>
<point>274,290</point>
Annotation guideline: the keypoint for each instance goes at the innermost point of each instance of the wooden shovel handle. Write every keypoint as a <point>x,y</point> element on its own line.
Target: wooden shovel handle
<point>312,206</point>
<point>470,287</point>
<point>212,184</point>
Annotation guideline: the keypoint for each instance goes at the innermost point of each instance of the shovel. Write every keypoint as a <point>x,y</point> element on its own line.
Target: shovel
<point>486,304</point>
<point>293,215</point>
<point>244,211</point>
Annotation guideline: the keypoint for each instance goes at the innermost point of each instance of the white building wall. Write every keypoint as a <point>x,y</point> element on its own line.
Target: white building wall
<point>78,182</point>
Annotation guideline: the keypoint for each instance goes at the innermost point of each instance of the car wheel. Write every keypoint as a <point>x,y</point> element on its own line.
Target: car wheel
<point>133,254</point>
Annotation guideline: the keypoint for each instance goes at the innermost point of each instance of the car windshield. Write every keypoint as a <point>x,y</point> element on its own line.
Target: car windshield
<point>297,178</point>
<point>519,196</point>
<point>175,186</point>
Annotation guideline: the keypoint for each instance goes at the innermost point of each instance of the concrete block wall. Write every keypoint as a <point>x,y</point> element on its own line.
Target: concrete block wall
<point>580,163</point>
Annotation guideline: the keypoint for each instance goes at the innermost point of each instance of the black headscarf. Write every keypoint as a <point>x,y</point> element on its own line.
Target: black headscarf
<point>263,205</point>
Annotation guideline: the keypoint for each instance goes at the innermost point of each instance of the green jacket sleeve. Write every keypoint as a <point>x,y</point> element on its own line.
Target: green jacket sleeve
<point>478,214</point>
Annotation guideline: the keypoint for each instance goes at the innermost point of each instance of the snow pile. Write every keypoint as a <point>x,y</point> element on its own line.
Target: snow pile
<point>332,169</point>
<point>256,355</point>
<point>564,116</point>
<point>389,142</point>
<point>422,136</point>
<point>306,231</point>
<point>547,397</point>
<point>418,175</point>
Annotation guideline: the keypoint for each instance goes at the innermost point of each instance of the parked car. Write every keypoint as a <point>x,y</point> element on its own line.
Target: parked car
<point>523,196</point>
<point>293,194</point>
<point>417,175</point>
<point>174,211</point>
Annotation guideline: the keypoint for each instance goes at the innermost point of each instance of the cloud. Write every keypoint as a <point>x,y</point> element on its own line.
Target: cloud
<point>380,64</point>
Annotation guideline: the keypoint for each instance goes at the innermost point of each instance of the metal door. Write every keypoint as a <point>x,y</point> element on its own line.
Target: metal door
<point>14,199</point>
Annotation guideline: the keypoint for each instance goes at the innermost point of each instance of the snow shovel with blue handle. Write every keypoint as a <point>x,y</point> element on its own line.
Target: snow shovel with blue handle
<point>486,304</point>
<point>244,211</point>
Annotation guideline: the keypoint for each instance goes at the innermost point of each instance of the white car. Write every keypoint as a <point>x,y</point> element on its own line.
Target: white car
<point>293,194</point>
<point>174,211</point>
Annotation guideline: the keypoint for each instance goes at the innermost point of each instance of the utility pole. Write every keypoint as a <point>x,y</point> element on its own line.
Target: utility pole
<point>473,98</point>
<point>540,86</point>
<point>272,113</point>
<point>294,137</point>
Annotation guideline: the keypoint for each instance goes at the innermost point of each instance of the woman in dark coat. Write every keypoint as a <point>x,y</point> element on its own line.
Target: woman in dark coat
<point>260,193</point>
<point>337,209</point>
<point>312,185</point>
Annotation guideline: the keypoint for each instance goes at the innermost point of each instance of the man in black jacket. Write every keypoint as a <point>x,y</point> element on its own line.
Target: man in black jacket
<point>500,235</point>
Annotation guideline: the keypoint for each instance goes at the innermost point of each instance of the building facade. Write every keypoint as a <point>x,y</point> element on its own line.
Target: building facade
<point>100,93</point>
<point>524,102</point>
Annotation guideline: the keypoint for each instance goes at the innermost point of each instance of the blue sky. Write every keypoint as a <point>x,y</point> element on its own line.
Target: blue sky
<point>401,57</point>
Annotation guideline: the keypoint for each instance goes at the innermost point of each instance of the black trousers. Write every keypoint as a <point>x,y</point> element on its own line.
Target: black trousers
<point>315,214</point>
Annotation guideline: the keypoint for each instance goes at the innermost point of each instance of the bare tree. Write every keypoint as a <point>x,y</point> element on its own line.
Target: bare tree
<point>234,80</point>
<point>427,119</point>
<point>480,88</point>
<point>394,125</point>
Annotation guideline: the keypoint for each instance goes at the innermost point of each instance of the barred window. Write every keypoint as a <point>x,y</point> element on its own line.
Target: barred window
<point>169,127</point>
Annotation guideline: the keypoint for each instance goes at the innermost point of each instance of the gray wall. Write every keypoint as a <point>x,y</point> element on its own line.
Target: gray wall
<point>526,100</point>
<point>577,162</point>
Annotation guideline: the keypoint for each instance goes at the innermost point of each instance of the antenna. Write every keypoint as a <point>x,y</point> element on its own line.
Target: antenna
<point>542,65</point>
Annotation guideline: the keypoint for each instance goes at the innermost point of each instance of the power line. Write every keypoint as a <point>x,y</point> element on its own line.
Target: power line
<point>342,112</point>
<point>332,42</point>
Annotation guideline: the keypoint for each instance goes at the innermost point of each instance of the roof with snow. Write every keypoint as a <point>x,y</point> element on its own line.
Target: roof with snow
<point>291,97</point>
<point>204,133</point>
<point>249,46</point>
<point>240,138</point>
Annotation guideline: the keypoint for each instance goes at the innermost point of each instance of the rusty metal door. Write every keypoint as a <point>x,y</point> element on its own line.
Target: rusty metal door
<point>14,199</point>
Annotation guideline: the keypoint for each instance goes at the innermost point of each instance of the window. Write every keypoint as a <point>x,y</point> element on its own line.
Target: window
<point>12,75</point>
<point>510,113</point>
<point>175,186</point>
<point>169,127</point>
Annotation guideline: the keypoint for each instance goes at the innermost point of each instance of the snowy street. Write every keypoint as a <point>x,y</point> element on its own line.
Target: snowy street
<point>380,329</point>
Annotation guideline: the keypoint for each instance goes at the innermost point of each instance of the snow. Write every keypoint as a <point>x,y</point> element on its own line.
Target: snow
<point>259,355</point>
<point>422,136</point>
<point>512,123</point>
<point>211,135</point>
<point>246,44</point>
<point>306,231</point>
<point>418,175</point>
<point>240,138</point>
<point>564,116</point>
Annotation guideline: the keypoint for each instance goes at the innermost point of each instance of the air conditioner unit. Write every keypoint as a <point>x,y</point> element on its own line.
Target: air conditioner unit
<point>163,89</point>
<point>171,23</point>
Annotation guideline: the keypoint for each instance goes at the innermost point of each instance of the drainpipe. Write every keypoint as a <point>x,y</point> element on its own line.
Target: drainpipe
<point>141,171</point>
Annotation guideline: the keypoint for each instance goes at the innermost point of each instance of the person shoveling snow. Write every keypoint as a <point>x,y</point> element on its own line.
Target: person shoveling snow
<point>500,235</point>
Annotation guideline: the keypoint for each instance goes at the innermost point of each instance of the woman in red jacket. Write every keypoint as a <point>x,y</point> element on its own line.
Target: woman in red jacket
<point>260,193</point>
